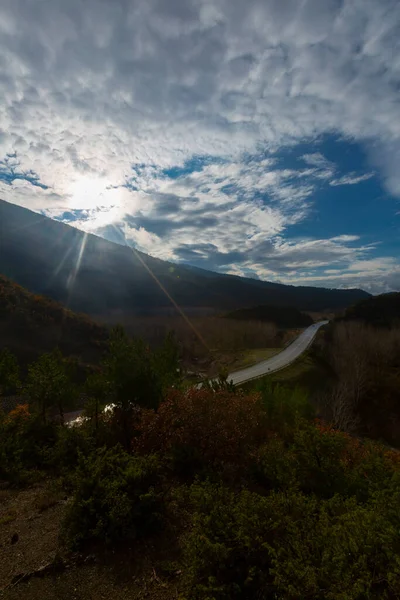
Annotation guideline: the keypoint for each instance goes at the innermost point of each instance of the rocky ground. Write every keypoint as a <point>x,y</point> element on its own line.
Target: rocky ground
<point>34,566</point>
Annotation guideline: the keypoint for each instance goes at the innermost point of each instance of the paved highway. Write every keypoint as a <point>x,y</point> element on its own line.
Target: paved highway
<point>279,361</point>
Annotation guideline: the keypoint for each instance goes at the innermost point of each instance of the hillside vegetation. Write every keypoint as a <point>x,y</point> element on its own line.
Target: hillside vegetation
<point>101,278</point>
<point>363,363</point>
<point>207,494</point>
<point>32,324</point>
<point>282,316</point>
<point>378,311</point>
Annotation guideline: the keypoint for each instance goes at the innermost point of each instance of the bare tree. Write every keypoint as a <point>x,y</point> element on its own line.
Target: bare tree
<point>363,359</point>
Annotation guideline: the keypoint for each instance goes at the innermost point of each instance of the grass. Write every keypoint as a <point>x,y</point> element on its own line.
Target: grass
<point>247,358</point>
<point>305,372</point>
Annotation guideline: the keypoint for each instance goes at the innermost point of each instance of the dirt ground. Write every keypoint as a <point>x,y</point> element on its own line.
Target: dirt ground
<point>30,522</point>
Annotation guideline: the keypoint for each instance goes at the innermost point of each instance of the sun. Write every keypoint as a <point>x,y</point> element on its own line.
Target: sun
<point>97,202</point>
<point>90,192</point>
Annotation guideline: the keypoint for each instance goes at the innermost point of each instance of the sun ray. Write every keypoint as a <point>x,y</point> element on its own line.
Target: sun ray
<point>165,291</point>
<point>74,273</point>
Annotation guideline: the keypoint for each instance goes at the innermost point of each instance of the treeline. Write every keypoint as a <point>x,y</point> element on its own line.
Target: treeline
<point>376,311</point>
<point>31,325</point>
<point>257,498</point>
<point>282,316</point>
<point>363,395</point>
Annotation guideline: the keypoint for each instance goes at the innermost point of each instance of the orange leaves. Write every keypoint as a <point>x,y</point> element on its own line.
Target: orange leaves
<point>20,412</point>
<point>357,451</point>
<point>393,456</point>
<point>221,426</point>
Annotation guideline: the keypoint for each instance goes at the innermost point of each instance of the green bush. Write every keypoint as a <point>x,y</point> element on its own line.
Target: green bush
<point>225,554</point>
<point>290,546</point>
<point>25,444</point>
<point>114,498</point>
<point>275,466</point>
<point>322,461</point>
<point>71,442</point>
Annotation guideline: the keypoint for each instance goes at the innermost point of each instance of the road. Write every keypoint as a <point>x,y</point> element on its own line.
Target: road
<point>279,361</point>
<point>275,363</point>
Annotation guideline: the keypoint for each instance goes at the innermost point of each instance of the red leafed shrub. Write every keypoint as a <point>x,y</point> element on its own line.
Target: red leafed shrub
<point>20,412</point>
<point>215,427</point>
<point>393,456</point>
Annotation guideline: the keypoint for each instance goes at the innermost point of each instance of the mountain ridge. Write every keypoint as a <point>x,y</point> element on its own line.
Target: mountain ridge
<point>90,274</point>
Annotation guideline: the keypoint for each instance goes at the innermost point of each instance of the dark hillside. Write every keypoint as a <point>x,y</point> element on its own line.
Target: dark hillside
<point>378,311</point>
<point>31,325</point>
<point>282,316</point>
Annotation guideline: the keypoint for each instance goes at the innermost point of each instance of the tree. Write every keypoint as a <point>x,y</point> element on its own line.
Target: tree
<point>365,363</point>
<point>136,377</point>
<point>167,361</point>
<point>98,393</point>
<point>9,373</point>
<point>48,384</point>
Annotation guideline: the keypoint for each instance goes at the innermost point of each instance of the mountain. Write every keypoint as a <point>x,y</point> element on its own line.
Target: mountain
<point>92,275</point>
<point>379,311</point>
<point>31,325</point>
<point>284,317</point>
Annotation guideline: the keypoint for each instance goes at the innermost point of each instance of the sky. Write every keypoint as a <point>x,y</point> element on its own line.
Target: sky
<point>259,138</point>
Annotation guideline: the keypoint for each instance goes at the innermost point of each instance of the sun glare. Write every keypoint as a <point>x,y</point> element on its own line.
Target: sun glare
<point>90,192</point>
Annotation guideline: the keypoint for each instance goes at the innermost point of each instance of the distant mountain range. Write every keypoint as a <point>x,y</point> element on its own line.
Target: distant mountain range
<point>92,275</point>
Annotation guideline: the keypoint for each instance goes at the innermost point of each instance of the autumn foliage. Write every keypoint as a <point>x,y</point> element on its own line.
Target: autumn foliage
<point>20,413</point>
<point>221,428</point>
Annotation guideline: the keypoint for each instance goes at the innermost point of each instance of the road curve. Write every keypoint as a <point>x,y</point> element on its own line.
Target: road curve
<point>275,363</point>
<point>279,361</point>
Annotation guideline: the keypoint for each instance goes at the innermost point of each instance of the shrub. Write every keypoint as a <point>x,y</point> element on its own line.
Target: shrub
<point>113,498</point>
<point>225,554</point>
<point>243,545</point>
<point>24,444</point>
<point>320,460</point>
<point>71,442</point>
<point>340,550</point>
<point>275,466</point>
<point>201,427</point>
<point>317,454</point>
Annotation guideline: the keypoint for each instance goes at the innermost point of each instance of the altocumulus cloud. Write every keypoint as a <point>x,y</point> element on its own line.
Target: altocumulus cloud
<point>162,124</point>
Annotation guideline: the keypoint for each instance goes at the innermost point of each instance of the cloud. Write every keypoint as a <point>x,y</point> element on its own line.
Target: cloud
<point>351,179</point>
<point>322,167</point>
<point>376,275</point>
<point>91,90</point>
<point>97,87</point>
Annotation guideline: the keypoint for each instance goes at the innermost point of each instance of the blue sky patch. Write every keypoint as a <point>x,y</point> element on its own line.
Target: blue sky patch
<point>9,172</point>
